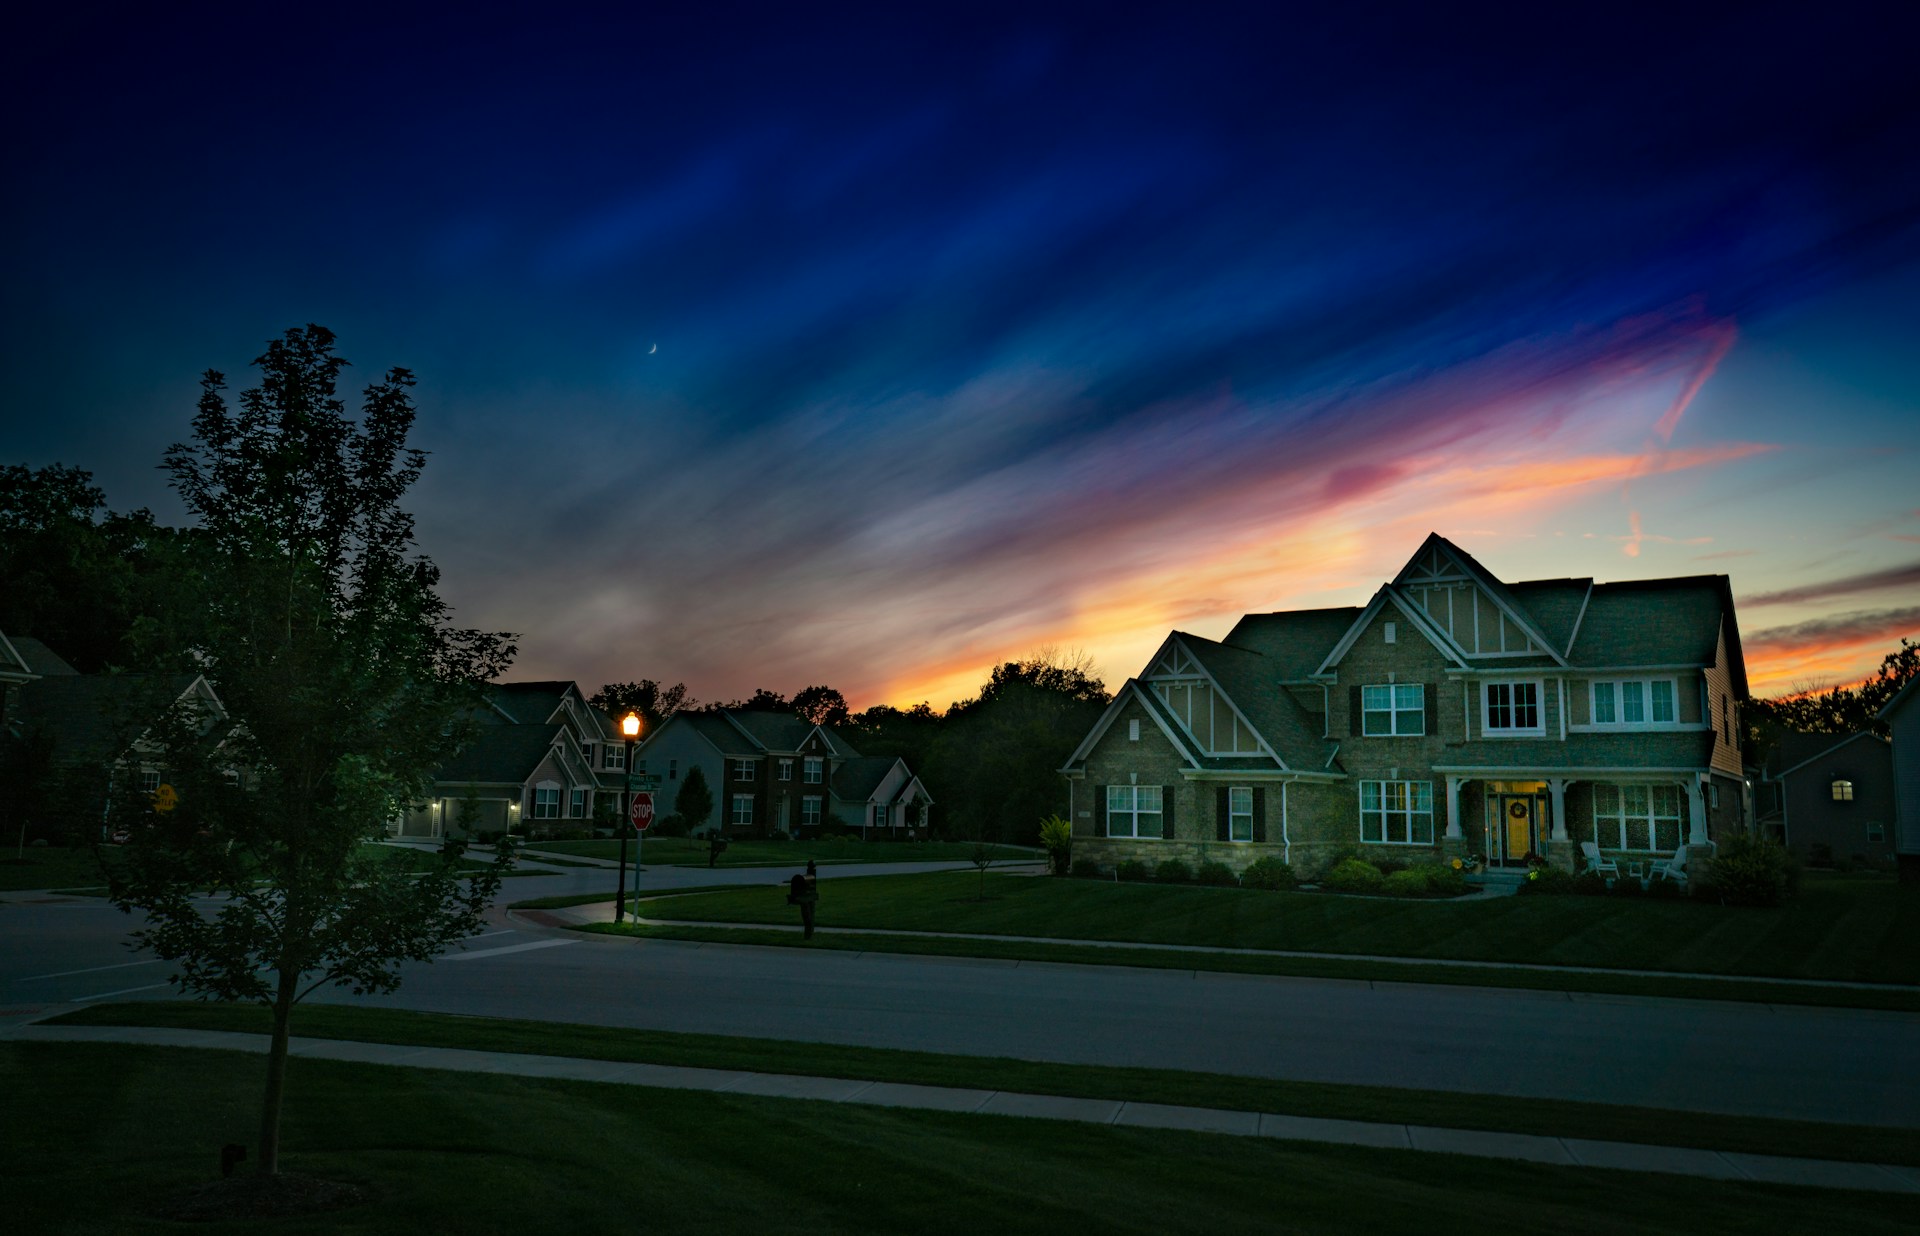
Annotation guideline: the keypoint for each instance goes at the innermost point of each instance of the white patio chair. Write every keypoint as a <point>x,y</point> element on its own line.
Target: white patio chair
<point>1674,868</point>
<point>1596,861</point>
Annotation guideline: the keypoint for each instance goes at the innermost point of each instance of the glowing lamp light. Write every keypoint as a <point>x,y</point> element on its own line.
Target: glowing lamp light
<point>630,725</point>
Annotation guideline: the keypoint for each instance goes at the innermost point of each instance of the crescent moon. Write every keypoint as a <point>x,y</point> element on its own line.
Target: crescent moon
<point>653,349</point>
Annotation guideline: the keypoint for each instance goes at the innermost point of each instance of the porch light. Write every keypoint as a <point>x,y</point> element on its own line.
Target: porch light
<point>630,726</point>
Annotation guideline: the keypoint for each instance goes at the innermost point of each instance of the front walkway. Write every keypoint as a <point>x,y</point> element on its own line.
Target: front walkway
<point>1559,1151</point>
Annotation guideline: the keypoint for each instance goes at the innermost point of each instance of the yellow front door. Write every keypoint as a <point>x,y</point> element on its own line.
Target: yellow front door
<point>1518,814</point>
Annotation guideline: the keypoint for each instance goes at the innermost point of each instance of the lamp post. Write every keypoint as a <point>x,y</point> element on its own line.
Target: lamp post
<point>629,730</point>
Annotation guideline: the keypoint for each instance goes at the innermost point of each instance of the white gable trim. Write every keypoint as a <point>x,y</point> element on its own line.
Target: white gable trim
<point>1421,623</point>
<point>1579,618</point>
<point>1207,676</point>
<point>1526,625</point>
<point>1173,649</point>
<point>1129,688</point>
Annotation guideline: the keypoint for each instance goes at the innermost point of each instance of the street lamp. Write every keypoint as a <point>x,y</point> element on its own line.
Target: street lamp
<point>629,730</point>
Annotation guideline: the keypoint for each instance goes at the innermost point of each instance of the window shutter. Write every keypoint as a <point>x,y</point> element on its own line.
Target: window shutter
<point>1259,813</point>
<point>1220,813</point>
<point>1353,711</point>
<point>1431,693</point>
<point>1099,810</point>
<point>1166,812</point>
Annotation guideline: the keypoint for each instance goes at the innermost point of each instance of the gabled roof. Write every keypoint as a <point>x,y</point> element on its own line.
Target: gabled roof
<point>1555,605</point>
<point>528,703</point>
<point>1132,690</point>
<point>1657,622</point>
<point>1388,595</point>
<point>502,754</point>
<point>24,654</point>
<point>1689,750</point>
<point>859,779</point>
<point>1501,595</point>
<point>95,717</point>
<point>1247,681</point>
<point>1294,642</point>
<point>785,731</point>
<point>1796,750</point>
<point>1902,699</point>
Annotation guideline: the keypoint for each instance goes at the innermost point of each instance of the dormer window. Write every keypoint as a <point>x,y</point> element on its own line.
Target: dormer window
<point>1842,791</point>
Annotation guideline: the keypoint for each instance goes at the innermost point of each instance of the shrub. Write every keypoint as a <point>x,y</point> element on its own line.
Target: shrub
<point>1173,871</point>
<point>1752,871</point>
<point>1087,869</point>
<point>1404,883</point>
<point>1056,837</point>
<point>1353,875</point>
<point>1217,874</point>
<point>1553,882</point>
<point>1424,880</point>
<point>1819,854</point>
<point>1132,869</point>
<point>1662,889</point>
<point>1269,873</point>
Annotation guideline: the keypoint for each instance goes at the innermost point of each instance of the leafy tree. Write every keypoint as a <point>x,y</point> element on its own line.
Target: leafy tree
<point>995,765</point>
<point>694,803</point>
<point>648,698</point>
<point>346,687</point>
<point>821,705</point>
<point>85,581</point>
<point>1838,710</point>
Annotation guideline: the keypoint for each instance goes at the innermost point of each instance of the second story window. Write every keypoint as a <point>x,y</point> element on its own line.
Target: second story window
<point>1843,791</point>
<point>1512,708</point>
<point>1392,710</point>
<point>1629,701</point>
<point>786,770</point>
<point>616,755</point>
<point>812,768</point>
<point>743,770</point>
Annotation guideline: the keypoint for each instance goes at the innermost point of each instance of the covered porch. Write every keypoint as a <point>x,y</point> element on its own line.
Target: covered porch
<point>1514,818</point>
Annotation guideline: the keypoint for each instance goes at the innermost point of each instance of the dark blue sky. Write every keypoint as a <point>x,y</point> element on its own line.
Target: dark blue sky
<point>773,346</point>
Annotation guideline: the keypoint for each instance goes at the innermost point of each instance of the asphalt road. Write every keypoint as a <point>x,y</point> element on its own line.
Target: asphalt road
<point>1820,1064</point>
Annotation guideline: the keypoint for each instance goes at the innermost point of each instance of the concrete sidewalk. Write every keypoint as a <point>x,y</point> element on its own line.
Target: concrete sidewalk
<point>1559,1151</point>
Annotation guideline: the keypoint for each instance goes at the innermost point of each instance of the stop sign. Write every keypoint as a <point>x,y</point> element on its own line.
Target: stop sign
<point>642,811</point>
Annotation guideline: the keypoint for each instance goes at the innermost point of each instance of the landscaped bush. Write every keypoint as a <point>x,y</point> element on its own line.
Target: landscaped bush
<point>1269,873</point>
<point>1662,889</point>
<point>1132,869</point>
<point>1173,871</point>
<point>1056,837</point>
<point>1751,871</point>
<point>1424,880</point>
<point>1218,874</point>
<point>1590,883</point>
<point>672,824</point>
<point>1552,882</point>
<point>1353,875</point>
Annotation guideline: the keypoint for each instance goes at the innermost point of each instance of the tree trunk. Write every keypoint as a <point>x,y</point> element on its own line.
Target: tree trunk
<point>276,1074</point>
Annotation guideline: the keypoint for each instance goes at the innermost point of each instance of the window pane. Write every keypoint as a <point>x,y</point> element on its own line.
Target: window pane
<point>1369,796</point>
<point>1633,703</point>
<point>1119,798</point>
<point>1370,826</point>
<point>1376,724</point>
<point>1375,697</point>
<point>1663,701</point>
<point>1395,793</point>
<point>1603,703</point>
<point>1633,799</point>
<point>1499,706</point>
<point>1423,796</point>
<point>1240,799</point>
<point>1666,801</point>
<point>1526,706</point>
<point>1606,800</point>
<point>1423,828</point>
<point>1637,838</point>
<point>1408,696</point>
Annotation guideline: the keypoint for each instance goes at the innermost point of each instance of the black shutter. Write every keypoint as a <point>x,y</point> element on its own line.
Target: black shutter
<point>1431,691</point>
<point>1353,711</point>
<point>1099,810</point>
<point>1166,812</point>
<point>1259,813</point>
<point>1220,813</point>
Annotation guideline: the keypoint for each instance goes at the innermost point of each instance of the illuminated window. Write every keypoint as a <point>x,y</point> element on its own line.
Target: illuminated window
<point>1843,791</point>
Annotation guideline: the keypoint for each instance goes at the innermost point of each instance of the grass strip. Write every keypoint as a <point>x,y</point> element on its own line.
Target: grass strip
<point>1748,991</point>
<point>1549,1117</point>
<point>116,1129</point>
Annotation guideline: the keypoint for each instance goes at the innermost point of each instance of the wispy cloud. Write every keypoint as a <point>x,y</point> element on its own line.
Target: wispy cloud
<point>1907,576</point>
<point>1825,650</point>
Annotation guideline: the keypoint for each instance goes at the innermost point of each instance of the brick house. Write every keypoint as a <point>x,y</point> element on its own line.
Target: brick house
<point>776,772</point>
<point>542,760</point>
<point>1452,715</point>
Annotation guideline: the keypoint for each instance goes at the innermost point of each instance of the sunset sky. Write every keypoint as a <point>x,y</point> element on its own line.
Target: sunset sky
<point>768,347</point>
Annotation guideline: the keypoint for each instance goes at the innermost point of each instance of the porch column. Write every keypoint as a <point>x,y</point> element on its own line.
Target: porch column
<point>1557,795</point>
<point>1454,831</point>
<point>1696,813</point>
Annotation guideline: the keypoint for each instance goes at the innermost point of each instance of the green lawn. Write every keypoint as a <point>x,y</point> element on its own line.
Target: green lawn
<point>49,866</point>
<point>117,1129</point>
<point>687,852</point>
<point>1841,928</point>
<point>1549,1117</point>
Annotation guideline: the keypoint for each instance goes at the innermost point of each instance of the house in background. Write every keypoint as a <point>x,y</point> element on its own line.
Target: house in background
<point>1902,717</point>
<point>776,772</point>
<point>24,660</point>
<point>1454,714</point>
<point>1829,797</point>
<point>541,757</point>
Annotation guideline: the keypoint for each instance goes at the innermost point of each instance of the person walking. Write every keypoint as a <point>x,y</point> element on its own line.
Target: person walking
<point>802,892</point>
